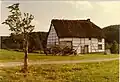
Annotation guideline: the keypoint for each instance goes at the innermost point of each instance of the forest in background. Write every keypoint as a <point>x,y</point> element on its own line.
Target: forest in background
<point>112,37</point>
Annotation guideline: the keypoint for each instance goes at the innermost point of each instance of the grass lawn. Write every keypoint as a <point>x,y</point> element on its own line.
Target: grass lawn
<point>7,56</point>
<point>85,72</point>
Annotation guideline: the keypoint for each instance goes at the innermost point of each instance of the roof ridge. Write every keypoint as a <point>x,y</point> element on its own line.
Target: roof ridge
<point>70,19</point>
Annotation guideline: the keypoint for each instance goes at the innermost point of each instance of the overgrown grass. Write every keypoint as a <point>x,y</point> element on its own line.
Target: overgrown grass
<point>6,55</point>
<point>85,72</point>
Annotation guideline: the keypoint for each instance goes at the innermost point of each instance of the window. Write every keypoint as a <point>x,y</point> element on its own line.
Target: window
<point>99,40</point>
<point>99,46</point>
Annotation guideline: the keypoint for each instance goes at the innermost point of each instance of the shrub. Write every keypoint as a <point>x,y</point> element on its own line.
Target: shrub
<point>108,45</point>
<point>68,51</point>
<point>57,50</point>
<point>114,48</point>
<point>48,50</point>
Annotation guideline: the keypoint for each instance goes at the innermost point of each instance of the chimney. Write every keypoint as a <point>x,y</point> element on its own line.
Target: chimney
<point>88,19</point>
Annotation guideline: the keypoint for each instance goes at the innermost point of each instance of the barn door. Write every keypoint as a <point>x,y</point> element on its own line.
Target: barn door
<point>86,49</point>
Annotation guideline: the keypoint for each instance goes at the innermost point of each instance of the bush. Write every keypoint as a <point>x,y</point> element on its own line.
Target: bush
<point>108,45</point>
<point>68,51</point>
<point>57,50</point>
<point>114,47</point>
<point>48,50</point>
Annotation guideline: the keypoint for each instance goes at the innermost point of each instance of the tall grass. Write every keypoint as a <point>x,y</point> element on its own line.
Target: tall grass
<point>85,72</point>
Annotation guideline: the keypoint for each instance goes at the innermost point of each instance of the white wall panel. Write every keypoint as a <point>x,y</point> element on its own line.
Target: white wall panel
<point>52,37</point>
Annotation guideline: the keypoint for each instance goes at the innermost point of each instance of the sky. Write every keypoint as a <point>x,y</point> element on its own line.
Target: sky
<point>102,13</point>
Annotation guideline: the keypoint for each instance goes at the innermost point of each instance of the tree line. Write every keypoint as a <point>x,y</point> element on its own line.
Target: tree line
<point>112,38</point>
<point>37,41</point>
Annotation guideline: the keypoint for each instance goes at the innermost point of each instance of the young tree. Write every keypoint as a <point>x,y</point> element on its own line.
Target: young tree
<point>114,48</point>
<point>20,24</point>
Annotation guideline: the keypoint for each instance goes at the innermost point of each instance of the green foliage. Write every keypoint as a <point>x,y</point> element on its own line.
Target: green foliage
<point>114,48</point>
<point>20,25</point>
<point>84,72</point>
<point>62,51</point>
<point>36,40</point>
<point>17,22</point>
<point>55,49</point>
<point>108,45</point>
<point>68,51</point>
<point>111,33</point>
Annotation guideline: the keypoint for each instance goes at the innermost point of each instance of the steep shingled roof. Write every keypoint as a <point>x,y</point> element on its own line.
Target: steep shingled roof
<point>76,28</point>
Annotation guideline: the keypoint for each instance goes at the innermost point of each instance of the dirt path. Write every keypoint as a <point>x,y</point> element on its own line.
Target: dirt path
<point>12,64</point>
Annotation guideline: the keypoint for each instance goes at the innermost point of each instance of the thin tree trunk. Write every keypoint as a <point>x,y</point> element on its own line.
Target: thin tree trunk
<point>26,57</point>
<point>25,45</point>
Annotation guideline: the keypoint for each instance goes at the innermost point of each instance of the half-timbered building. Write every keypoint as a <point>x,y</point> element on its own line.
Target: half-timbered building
<point>82,35</point>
